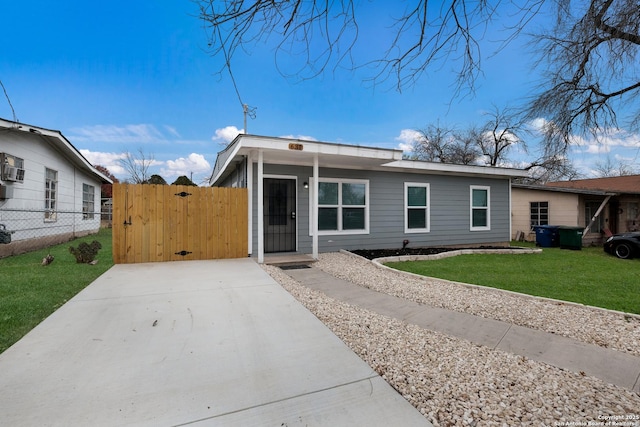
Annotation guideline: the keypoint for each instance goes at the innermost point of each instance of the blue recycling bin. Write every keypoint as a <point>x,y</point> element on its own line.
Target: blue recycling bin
<point>547,236</point>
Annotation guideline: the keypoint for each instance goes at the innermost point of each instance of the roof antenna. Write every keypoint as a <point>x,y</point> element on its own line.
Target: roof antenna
<point>251,112</point>
<point>15,119</point>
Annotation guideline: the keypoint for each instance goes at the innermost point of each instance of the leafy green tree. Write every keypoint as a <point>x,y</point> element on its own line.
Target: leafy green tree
<point>183,180</point>
<point>156,179</point>
<point>106,190</point>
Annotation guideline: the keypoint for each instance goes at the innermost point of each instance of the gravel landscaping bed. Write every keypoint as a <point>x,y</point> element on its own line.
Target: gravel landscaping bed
<point>593,326</point>
<point>452,381</point>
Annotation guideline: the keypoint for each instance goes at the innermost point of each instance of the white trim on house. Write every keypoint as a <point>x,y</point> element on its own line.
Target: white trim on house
<point>313,200</point>
<point>472,208</point>
<point>250,201</point>
<point>260,206</point>
<point>329,155</point>
<point>314,208</point>
<point>418,165</point>
<point>427,208</point>
<point>302,153</point>
<point>293,178</point>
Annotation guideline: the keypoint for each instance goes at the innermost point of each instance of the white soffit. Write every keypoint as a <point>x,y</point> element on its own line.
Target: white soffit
<point>301,152</point>
<point>415,165</point>
<point>285,151</point>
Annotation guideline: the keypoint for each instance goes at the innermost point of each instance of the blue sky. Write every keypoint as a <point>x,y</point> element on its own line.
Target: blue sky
<point>135,75</point>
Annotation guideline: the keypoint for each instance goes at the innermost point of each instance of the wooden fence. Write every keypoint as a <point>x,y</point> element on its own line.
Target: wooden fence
<point>154,223</point>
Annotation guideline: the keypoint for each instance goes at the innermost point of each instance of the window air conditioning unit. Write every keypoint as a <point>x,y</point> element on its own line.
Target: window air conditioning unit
<point>11,173</point>
<point>6,192</point>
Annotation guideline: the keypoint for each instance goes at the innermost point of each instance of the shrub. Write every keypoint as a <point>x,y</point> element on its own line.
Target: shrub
<point>86,252</point>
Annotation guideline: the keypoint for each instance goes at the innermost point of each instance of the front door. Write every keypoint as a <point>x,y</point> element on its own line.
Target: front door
<point>279,215</point>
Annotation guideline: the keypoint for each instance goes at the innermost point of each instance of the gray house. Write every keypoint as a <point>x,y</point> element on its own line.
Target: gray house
<point>311,197</point>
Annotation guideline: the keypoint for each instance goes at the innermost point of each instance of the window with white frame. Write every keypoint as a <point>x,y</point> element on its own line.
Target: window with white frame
<point>88,201</point>
<point>50,194</point>
<point>343,206</point>
<point>480,208</point>
<point>416,207</point>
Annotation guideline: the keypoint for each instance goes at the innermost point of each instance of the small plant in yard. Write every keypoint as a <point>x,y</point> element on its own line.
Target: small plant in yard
<point>29,292</point>
<point>86,252</point>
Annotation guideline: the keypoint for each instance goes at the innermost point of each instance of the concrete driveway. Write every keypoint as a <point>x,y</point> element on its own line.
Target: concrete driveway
<point>190,343</point>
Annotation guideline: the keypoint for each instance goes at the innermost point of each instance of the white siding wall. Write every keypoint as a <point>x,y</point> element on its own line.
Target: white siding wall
<point>29,195</point>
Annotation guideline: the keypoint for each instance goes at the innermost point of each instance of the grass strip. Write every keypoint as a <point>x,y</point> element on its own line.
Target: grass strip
<point>30,292</point>
<point>587,276</point>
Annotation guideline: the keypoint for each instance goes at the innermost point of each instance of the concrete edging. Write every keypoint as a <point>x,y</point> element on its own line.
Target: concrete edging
<point>378,262</point>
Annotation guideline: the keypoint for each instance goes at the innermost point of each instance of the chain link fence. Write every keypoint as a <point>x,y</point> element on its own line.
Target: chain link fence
<point>25,230</point>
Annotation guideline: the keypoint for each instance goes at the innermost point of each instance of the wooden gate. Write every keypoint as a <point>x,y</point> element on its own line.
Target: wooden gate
<point>154,223</point>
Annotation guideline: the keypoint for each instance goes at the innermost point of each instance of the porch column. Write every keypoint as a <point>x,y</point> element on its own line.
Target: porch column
<point>250,202</point>
<point>314,207</point>
<point>260,202</point>
<point>597,214</point>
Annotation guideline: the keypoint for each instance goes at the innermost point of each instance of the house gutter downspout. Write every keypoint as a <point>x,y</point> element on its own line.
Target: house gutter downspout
<point>260,202</point>
<point>314,204</point>
<point>597,214</point>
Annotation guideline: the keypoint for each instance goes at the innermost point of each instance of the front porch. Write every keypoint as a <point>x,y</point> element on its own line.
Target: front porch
<point>288,259</point>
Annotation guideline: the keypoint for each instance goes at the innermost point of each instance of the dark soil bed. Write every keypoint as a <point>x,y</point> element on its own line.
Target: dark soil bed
<point>379,253</point>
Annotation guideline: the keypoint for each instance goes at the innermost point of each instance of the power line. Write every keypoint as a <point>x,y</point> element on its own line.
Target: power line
<point>246,109</point>
<point>15,119</point>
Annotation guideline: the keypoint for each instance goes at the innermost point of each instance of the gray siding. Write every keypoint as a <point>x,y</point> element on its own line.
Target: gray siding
<point>222,158</point>
<point>237,178</point>
<point>450,210</point>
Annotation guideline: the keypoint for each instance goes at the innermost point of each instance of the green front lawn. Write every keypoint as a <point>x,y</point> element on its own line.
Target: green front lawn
<point>588,276</point>
<point>30,292</point>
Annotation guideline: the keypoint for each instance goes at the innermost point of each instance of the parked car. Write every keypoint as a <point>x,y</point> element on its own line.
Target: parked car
<point>625,245</point>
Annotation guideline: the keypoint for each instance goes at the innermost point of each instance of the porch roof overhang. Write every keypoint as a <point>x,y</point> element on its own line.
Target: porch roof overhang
<point>286,151</point>
<point>578,191</point>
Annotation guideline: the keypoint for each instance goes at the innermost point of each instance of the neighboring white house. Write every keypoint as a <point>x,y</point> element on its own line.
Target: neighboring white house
<point>49,193</point>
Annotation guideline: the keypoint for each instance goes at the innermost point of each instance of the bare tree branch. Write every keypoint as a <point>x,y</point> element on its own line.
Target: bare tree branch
<point>589,56</point>
<point>137,165</point>
<point>592,70</point>
<point>324,34</point>
<point>502,130</point>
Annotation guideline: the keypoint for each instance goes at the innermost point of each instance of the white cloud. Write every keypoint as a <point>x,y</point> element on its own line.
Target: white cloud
<point>501,133</point>
<point>128,134</point>
<point>407,138</point>
<point>539,124</point>
<point>173,131</point>
<point>301,137</point>
<point>606,141</point>
<point>111,161</point>
<point>598,148</point>
<point>194,163</point>
<point>226,134</point>
<point>98,158</point>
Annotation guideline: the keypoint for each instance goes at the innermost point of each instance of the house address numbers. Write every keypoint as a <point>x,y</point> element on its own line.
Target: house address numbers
<point>295,146</point>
